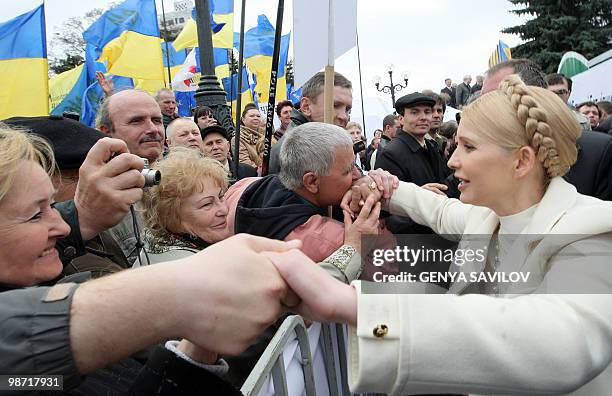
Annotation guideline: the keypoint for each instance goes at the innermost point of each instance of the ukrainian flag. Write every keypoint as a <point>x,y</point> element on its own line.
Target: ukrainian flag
<point>222,24</point>
<point>174,59</point>
<point>66,90</point>
<point>126,38</point>
<point>258,50</point>
<point>501,54</point>
<point>23,65</point>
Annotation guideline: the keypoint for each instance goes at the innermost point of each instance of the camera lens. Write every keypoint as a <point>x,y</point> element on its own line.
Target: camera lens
<point>152,177</point>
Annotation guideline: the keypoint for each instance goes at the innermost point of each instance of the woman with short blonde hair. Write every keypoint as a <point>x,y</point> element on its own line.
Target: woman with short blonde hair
<point>186,211</point>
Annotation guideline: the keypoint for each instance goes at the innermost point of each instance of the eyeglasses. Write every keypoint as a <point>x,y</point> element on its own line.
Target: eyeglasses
<point>562,92</point>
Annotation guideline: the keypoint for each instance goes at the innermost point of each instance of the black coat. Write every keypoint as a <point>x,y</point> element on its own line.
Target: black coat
<point>450,92</point>
<point>605,126</point>
<point>405,158</point>
<point>244,170</point>
<point>462,94</point>
<point>592,172</point>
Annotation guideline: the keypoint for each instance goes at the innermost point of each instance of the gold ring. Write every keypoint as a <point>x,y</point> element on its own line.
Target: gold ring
<point>372,186</point>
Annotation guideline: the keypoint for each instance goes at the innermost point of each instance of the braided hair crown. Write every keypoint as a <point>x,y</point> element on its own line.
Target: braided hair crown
<point>533,117</point>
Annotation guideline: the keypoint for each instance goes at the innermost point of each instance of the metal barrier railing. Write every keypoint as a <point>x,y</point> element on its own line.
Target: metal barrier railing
<point>272,361</point>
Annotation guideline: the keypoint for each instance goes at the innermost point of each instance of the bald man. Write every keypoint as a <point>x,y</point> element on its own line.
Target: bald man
<point>183,132</point>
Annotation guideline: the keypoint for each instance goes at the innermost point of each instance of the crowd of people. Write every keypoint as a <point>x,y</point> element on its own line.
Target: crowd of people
<point>178,287</point>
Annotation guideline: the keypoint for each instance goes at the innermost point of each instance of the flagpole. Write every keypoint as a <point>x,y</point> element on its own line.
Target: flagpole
<point>272,95</point>
<point>231,67</point>
<point>328,91</point>
<point>239,91</point>
<point>44,37</point>
<point>166,42</point>
<point>365,131</point>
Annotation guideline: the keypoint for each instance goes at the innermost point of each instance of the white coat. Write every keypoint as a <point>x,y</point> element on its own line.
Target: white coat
<point>533,341</point>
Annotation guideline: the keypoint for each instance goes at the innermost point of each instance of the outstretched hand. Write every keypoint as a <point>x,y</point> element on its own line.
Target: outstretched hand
<point>105,83</point>
<point>321,297</point>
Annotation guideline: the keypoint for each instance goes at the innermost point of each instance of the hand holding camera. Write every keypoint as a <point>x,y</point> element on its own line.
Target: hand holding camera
<point>152,176</point>
<point>110,180</point>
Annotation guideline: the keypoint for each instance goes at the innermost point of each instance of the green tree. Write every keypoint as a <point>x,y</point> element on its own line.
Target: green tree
<point>559,26</point>
<point>67,47</point>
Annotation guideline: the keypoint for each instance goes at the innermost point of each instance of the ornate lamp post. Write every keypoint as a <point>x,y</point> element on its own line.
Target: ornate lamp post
<point>209,92</point>
<point>391,88</point>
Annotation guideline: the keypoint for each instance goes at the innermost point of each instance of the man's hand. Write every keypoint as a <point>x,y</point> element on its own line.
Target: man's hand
<point>321,298</point>
<point>231,292</point>
<point>366,223</point>
<point>438,188</point>
<point>106,84</point>
<point>220,299</point>
<point>107,186</point>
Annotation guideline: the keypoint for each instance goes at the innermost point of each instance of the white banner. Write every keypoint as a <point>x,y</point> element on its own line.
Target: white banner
<point>594,84</point>
<point>311,31</point>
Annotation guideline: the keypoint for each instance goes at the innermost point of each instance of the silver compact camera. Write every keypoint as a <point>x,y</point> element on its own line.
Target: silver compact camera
<point>152,176</point>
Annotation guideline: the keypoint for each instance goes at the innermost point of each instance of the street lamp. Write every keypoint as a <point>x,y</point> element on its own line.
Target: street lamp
<point>391,88</point>
<point>209,92</point>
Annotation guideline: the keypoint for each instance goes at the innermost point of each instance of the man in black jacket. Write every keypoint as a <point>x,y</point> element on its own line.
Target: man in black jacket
<point>463,91</point>
<point>450,91</point>
<point>410,156</point>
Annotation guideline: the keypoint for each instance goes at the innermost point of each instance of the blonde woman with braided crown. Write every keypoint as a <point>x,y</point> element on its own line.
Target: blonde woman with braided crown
<point>538,337</point>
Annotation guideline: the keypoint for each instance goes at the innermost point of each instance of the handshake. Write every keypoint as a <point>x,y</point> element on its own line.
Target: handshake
<point>230,292</point>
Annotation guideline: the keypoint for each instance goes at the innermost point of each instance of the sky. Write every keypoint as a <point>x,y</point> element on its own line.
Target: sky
<point>432,39</point>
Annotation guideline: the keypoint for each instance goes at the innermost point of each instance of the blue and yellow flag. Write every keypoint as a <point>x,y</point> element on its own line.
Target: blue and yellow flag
<point>173,58</point>
<point>23,65</point>
<point>222,25</point>
<point>501,54</point>
<point>66,90</point>
<point>126,39</point>
<point>258,50</point>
